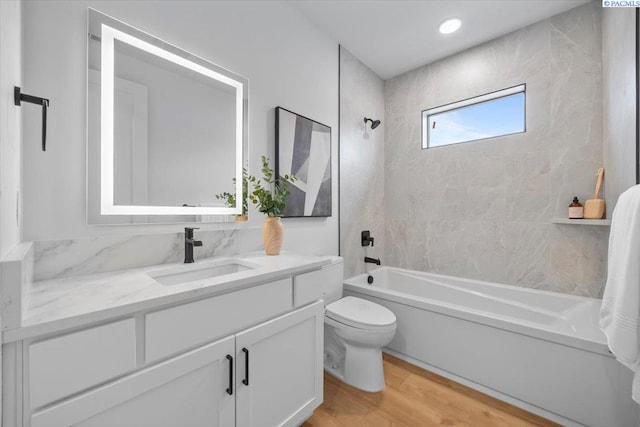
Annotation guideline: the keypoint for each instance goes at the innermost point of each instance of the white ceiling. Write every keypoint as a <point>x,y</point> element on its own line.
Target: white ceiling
<point>395,36</point>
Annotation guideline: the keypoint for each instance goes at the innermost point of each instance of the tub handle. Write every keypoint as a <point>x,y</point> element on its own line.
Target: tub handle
<point>365,238</point>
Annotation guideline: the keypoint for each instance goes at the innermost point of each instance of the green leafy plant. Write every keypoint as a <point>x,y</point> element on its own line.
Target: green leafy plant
<point>271,195</point>
<point>230,198</point>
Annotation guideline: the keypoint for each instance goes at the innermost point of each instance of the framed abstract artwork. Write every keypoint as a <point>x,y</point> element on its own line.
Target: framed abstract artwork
<point>303,149</point>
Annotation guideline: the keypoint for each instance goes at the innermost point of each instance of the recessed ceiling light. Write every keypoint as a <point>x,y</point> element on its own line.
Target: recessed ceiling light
<point>450,25</point>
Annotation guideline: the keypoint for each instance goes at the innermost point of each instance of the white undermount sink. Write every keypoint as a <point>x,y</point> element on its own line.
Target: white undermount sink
<point>206,270</point>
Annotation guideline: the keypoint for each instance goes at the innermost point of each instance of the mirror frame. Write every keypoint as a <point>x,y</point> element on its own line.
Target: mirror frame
<point>169,52</point>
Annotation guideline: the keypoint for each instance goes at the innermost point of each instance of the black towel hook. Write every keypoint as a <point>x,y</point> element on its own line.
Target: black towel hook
<point>18,97</point>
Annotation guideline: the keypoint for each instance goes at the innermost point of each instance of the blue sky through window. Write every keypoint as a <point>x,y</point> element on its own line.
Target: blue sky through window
<point>496,117</point>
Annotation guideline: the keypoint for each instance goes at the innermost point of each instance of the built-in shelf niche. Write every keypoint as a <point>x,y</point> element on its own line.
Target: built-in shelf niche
<point>605,222</point>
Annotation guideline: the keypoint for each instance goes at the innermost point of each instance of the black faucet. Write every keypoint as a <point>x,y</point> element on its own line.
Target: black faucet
<point>189,243</point>
<point>375,261</point>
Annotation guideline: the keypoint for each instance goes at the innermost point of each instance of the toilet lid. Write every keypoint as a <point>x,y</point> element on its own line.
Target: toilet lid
<point>360,313</point>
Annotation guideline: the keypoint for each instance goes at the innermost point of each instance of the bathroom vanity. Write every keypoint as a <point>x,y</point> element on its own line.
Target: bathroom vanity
<point>222,342</point>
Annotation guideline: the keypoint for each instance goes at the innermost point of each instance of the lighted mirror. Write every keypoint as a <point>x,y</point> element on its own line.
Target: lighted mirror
<point>166,129</point>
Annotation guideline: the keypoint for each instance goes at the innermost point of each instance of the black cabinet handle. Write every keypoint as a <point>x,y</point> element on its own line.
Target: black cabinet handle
<point>230,389</point>
<point>245,381</point>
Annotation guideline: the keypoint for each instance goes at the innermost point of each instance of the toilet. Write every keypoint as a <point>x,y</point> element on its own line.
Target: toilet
<point>355,330</point>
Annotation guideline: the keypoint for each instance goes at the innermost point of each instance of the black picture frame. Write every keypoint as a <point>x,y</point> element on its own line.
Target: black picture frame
<point>303,148</point>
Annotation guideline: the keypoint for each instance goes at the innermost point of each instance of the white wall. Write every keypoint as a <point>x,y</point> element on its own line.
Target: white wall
<point>619,101</point>
<point>10,131</point>
<point>287,61</point>
<point>11,124</point>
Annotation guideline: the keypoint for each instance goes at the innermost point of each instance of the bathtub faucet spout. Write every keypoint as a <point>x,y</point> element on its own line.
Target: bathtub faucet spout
<point>375,261</point>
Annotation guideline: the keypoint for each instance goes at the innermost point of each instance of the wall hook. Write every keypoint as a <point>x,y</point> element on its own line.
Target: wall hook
<point>18,97</point>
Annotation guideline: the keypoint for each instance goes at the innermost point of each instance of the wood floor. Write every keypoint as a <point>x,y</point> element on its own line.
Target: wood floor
<point>415,397</point>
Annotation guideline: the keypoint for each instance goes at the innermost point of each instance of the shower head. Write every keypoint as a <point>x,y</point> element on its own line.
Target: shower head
<point>374,123</point>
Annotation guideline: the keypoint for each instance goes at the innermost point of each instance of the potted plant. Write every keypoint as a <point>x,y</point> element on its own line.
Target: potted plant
<point>230,198</point>
<point>270,197</point>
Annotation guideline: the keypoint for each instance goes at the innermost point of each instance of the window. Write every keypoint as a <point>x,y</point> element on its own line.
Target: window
<point>486,116</point>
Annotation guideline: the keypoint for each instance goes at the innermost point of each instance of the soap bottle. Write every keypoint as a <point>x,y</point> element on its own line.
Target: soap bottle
<point>576,210</point>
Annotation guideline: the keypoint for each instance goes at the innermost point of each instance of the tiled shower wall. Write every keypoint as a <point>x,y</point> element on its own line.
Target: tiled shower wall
<point>482,209</point>
<point>361,163</point>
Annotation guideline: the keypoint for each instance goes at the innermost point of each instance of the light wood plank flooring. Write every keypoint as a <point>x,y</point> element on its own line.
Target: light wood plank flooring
<point>415,397</point>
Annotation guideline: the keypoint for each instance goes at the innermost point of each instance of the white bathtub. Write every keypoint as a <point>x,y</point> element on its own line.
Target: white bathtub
<point>538,350</point>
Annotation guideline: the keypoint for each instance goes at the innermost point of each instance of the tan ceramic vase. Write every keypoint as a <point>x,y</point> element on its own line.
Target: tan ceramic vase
<point>272,232</point>
<point>241,218</point>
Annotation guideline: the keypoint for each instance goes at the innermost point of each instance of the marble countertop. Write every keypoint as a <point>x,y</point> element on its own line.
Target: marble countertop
<point>69,302</point>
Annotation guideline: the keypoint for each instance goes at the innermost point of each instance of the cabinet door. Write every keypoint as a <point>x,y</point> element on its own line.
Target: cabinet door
<point>281,384</point>
<point>191,390</point>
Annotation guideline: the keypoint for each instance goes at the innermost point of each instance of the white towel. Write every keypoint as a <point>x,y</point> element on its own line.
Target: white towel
<point>620,312</point>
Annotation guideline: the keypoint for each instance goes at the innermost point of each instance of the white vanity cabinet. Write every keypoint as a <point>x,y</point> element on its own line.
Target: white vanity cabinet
<point>189,390</point>
<point>279,371</point>
<point>244,358</point>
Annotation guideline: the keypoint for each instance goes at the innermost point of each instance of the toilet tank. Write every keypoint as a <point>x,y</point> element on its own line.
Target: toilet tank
<point>331,277</point>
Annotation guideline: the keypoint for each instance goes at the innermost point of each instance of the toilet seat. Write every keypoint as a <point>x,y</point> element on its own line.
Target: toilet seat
<point>361,314</point>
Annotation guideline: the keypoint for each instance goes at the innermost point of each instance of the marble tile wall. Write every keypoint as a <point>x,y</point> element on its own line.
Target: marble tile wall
<point>482,209</point>
<point>97,254</point>
<point>361,163</point>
